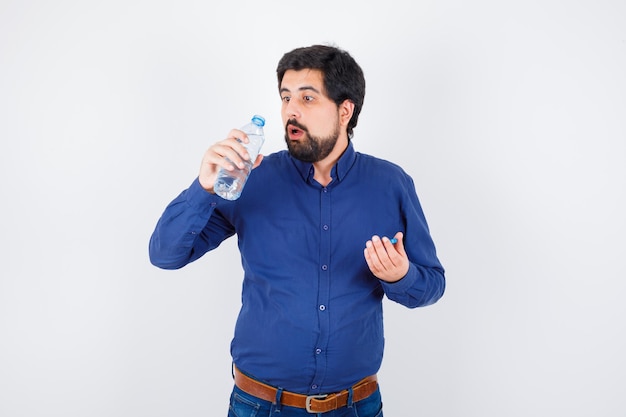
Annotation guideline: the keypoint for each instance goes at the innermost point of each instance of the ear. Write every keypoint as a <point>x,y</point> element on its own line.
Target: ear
<point>346,109</point>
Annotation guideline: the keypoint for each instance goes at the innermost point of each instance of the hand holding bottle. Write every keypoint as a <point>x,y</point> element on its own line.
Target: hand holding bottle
<point>226,165</point>
<point>215,158</point>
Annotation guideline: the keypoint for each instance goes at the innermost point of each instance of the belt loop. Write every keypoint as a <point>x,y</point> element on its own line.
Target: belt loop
<point>277,402</point>
<point>350,395</point>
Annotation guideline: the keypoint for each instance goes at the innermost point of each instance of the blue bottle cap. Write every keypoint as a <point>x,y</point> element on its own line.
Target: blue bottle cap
<point>258,120</point>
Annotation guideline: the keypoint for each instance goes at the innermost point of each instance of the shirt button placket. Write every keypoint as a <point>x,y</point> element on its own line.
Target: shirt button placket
<point>324,291</point>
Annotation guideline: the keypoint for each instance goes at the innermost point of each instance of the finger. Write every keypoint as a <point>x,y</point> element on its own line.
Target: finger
<point>395,252</point>
<point>238,141</point>
<point>389,244</point>
<point>229,153</point>
<point>383,248</point>
<point>371,257</point>
<point>241,140</point>
<point>399,246</point>
<point>377,246</point>
<point>239,135</point>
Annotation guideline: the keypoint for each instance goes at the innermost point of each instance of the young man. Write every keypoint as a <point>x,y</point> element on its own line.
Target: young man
<point>313,226</point>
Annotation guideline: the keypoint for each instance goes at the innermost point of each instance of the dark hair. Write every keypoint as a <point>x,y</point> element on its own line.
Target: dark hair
<point>343,77</point>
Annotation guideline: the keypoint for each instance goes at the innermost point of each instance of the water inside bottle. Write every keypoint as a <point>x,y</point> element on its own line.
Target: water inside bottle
<point>230,183</point>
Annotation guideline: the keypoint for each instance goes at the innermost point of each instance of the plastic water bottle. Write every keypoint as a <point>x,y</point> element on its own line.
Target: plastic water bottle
<point>229,184</point>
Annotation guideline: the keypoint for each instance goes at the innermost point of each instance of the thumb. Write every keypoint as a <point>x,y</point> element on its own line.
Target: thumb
<point>400,244</point>
<point>257,162</point>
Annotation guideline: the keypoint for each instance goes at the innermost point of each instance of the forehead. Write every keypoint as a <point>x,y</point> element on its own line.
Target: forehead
<point>302,79</point>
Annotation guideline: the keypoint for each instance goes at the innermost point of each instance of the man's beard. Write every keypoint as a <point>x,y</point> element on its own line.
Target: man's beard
<point>311,148</point>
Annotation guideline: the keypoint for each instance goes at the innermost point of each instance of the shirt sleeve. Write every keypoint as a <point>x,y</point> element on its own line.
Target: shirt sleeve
<point>189,227</point>
<point>424,283</point>
<point>420,287</point>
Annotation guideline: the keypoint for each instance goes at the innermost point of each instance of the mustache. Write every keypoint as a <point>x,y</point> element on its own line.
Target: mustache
<point>295,123</point>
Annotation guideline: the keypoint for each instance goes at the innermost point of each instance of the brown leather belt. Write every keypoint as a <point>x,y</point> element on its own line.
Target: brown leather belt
<point>311,403</point>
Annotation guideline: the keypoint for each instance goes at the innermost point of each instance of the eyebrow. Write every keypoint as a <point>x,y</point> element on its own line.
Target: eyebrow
<point>303,88</point>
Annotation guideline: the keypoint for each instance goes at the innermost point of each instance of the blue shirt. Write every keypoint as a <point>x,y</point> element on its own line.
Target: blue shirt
<point>311,319</point>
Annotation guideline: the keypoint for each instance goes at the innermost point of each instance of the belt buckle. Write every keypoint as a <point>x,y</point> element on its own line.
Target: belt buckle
<point>313,397</point>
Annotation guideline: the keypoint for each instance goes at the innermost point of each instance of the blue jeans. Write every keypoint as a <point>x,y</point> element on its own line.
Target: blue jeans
<point>243,404</point>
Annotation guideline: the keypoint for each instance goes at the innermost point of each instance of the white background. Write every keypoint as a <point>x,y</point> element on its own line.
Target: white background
<point>510,116</point>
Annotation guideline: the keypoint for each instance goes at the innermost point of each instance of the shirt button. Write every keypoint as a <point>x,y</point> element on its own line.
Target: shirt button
<point>325,189</point>
<point>322,307</point>
<point>318,351</point>
<point>313,386</point>
<point>324,267</point>
<point>325,227</point>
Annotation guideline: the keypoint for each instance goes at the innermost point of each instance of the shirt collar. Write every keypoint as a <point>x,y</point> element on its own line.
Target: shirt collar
<point>339,171</point>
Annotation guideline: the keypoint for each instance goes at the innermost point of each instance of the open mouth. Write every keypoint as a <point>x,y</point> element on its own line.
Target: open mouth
<point>294,132</point>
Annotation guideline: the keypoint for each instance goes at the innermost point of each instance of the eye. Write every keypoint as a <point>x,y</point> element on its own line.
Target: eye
<point>285,98</point>
<point>308,98</point>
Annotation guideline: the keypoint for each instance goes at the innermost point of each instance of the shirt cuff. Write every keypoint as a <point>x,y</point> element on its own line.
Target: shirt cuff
<point>198,197</point>
<point>403,284</point>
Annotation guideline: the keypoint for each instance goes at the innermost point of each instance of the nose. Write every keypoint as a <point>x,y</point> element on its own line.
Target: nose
<point>292,110</point>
